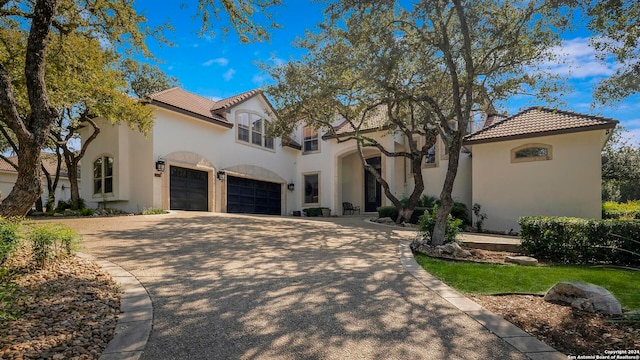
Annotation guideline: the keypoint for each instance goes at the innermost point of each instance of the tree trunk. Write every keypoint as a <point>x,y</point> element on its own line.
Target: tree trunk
<point>446,201</point>
<point>28,186</point>
<point>72,174</point>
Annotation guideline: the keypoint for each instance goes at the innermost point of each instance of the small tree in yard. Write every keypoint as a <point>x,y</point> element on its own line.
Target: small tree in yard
<point>427,67</point>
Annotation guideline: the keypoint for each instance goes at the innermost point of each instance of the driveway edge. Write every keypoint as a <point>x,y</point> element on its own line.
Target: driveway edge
<point>135,320</point>
<point>530,346</point>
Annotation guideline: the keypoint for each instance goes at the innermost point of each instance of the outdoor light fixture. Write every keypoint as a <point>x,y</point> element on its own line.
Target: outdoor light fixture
<point>291,186</point>
<point>63,187</point>
<point>221,175</point>
<point>160,165</point>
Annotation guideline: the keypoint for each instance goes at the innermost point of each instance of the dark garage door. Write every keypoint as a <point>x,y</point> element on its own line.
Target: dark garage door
<point>188,189</point>
<point>247,196</point>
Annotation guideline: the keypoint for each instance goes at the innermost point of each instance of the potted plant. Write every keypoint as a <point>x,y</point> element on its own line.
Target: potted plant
<point>326,212</point>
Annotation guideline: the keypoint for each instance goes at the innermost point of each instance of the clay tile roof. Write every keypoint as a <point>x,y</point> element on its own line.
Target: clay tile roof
<point>189,103</point>
<point>538,121</point>
<point>377,120</point>
<point>233,100</point>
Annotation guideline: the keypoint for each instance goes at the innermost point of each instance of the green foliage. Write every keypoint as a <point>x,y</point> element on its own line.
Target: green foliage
<point>620,168</point>
<point>8,237</point>
<point>474,278</point>
<point>313,212</point>
<point>427,223</point>
<point>62,206</point>
<point>8,296</point>
<point>388,211</point>
<point>85,212</point>
<point>49,241</point>
<point>616,34</point>
<point>625,211</point>
<point>153,211</point>
<point>480,216</point>
<point>581,241</point>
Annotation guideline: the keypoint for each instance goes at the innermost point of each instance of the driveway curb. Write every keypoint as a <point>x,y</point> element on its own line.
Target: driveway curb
<point>530,346</point>
<point>136,314</point>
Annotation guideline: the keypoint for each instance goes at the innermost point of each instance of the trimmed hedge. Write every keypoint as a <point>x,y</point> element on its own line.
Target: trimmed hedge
<point>613,210</point>
<point>313,212</point>
<point>459,211</point>
<point>581,241</point>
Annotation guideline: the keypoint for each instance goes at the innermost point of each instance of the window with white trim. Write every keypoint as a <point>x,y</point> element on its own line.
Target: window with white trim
<point>103,175</point>
<point>310,138</point>
<point>531,152</point>
<point>252,129</point>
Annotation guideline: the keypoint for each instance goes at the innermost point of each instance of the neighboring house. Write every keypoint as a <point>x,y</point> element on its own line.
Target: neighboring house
<point>9,175</point>
<point>211,155</point>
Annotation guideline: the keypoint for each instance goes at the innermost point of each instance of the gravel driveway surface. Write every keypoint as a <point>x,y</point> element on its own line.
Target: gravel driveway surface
<point>250,287</point>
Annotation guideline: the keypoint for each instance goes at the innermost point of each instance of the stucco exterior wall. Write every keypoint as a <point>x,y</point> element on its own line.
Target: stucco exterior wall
<point>567,185</point>
<point>219,149</point>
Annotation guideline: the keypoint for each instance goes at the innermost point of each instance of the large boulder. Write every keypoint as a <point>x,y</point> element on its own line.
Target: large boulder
<point>454,250</point>
<point>584,296</point>
<point>521,260</point>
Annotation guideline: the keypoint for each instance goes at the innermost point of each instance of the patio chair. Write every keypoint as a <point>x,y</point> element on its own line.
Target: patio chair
<point>348,207</point>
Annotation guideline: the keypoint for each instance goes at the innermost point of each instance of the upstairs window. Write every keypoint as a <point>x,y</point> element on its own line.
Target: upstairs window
<point>252,129</point>
<point>531,152</point>
<point>310,136</point>
<point>103,175</point>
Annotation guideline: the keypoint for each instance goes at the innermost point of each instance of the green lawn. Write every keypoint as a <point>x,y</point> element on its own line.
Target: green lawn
<point>473,278</point>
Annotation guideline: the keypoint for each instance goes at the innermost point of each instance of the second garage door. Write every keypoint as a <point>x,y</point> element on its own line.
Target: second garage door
<point>188,189</point>
<point>248,196</point>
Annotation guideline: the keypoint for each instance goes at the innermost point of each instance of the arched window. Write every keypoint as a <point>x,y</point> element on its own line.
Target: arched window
<point>253,129</point>
<point>103,175</point>
<point>531,152</point>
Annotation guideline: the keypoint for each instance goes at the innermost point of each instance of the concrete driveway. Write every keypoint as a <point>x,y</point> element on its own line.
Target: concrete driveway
<point>250,287</point>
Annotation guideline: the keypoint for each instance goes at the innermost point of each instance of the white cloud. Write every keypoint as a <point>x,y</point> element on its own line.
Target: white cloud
<point>633,135</point>
<point>259,79</point>
<point>576,59</point>
<point>218,61</point>
<point>215,98</point>
<point>228,75</point>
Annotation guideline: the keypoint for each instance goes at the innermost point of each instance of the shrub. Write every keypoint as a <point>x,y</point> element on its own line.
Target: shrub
<point>8,237</point>
<point>85,212</point>
<point>613,210</point>
<point>581,241</point>
<point>480,216</point>
<point>388,211</point>
<point>77,205</point>
<point>8,297</point>
<point>460,211</point>
<point>49,241</point>
<point>313,212</point>
<point>428,222</point>
<point>153,211</point>
<point>62,206</point>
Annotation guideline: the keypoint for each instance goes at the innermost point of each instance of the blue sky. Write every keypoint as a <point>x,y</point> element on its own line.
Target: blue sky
<point>220,66</point>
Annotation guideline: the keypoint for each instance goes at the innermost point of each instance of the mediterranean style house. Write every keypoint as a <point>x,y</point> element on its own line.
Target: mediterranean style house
<point>207,155</point>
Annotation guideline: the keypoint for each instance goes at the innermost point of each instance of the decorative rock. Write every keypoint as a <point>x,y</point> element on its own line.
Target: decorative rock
<point>454,249</point>
<point>584,296</point>
<point>385,220</point>
<point>521,260</point>
<point>58,214</point>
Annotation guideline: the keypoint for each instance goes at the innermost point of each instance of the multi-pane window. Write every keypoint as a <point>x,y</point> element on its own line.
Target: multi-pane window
<point>103,175</point>
<point>311,188</point>
<point>531,152</point>
<point>253,129</point>
<point>310,136</point>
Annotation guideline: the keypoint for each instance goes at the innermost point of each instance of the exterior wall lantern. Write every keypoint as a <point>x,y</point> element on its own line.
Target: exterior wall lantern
<point>221,175</point>
<point>160,166</point>
<point>291,186</point>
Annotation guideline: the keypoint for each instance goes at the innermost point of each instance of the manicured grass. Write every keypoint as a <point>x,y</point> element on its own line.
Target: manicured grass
<point>473,278</point>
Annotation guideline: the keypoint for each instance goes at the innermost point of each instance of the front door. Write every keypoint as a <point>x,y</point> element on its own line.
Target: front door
<point>372,189</point>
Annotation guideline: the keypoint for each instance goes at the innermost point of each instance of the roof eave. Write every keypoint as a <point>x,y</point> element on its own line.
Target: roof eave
<point>182,111</point>
<point>609,125</point>
<point>328,136</point>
